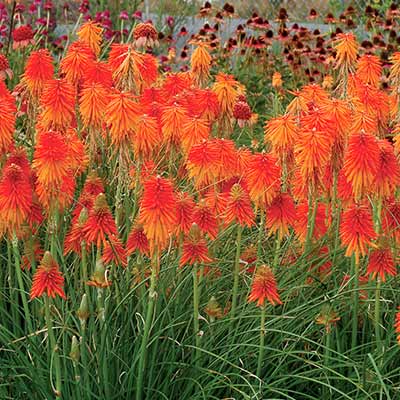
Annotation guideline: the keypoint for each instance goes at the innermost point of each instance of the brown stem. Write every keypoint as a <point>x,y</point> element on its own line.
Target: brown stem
<point>11,26</point>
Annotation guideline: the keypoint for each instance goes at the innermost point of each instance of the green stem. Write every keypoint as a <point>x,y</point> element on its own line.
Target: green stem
<point>196,300</point>
<point>262,340</point>
<point>21,283</point>
<point>276,253</point>
<point>312,213</point>
<point>85,276</point>
<point>12,291</point>
<point>356,272</point>
<point>327,354</point>
<point>147,324</point>
<point>53,347</point>
<point>236,271</point>
<point>378,315</point>
<point>260,236</point>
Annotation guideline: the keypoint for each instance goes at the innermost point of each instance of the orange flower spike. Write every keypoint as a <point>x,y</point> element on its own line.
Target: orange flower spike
<point>126,66</point>
<point>361,162</point>
<point>194,131</point>
<point>391,220</point>
<point>201,62</point>
<point>205,104</point>
<point>79,56</point>
<point>194,250</point>
<point>264,287</point>
<point>374,101</point>
<point>184,210</point>
<point>114,252</point>
<point>176,83</point>
<point>312,152</point>
<point>387,178</point>
<point>281,215</point>
<point>158,211</point>
<point>51,160</point>
<point>380,264</point>
<point>78,159</point>
<point>118,52</point>
<point>7,122</point>
<point>91,34</point>
<point>98,72</point>
<point>263,179</point>
<point>173,118</point>
<point>100,225</point>
<point>38,70</point>
<point>121,115</point>
<point>282,132</point>
<point>148,69</point>
<point>346,47</point>
<point>48,279</point>
<point>238,208</point>
<point>344,189</point>
<point>58,104</point>
<point>394,75</point>
<point>147,136</point>
<point>362,121</point>
<point>340,114</point>
<point>315,95</point>
<point>205,219</point>
<point>369,69</point>
<point>92,105</point>
<point>227,89</point>
<point>137,240</point>
<point>58,194</point>
<point>357,231</point>
<point>203,163</point>
<point>217,202</point>
<point>74,238</point>
<point>93,185</point>
<point>227,158</point>
<point>297,105</point>
<point>15,196</point>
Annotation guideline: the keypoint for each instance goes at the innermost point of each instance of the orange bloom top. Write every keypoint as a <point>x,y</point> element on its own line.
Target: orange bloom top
<point>282,132</point>
<point>346,50</point>
<point>58,103</point>
<point>238,208</point>
<point>381,263</point>
<point>263,178</point>
<point>38,70</point>
<point>15,196</point>
<point>51,158</point>
<point>281,215</point>
<point>48,279</point>
<point>91,33</point>
<point>79,56</point>
<point>369,69</point>
<point>201,62</point>
<point>264,287</point>
<point>357,231</point>
<point>158,211</point>
<point>361,162</point>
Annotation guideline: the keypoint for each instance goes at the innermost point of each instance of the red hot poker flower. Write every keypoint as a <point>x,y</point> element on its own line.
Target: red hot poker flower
<point>48,279</point>
<point>380,264</point>
<point>357,230</point>
<point>264,287</point>
<point>238,208</point>
<point>158,211</point>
